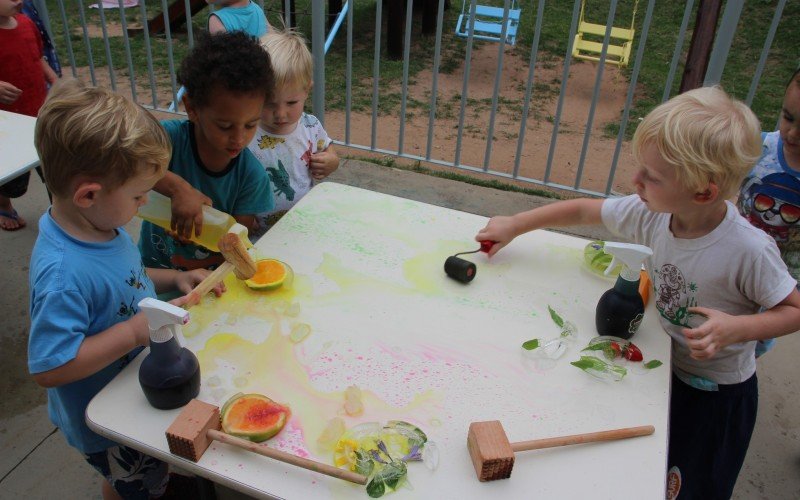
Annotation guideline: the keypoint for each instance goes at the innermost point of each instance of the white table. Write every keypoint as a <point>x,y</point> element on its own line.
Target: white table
<point>423,348</point>
<point>17,152</point>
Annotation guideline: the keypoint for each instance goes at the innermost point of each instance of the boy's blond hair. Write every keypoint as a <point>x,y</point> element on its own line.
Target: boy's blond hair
<point>291,60</point>
<point>706,135</point>
<point>93,132</point>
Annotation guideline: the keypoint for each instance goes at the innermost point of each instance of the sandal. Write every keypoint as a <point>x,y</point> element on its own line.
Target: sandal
<point>13,215</point>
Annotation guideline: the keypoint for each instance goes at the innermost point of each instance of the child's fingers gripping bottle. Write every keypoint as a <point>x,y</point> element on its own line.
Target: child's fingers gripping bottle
<point>621,309</point>
<point>215,223</point>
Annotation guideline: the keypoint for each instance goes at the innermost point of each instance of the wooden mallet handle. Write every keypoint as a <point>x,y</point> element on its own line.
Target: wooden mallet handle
<point>208,283</point>
<point>287,458</point>
<point>589,437</point>
<point>236,259</point>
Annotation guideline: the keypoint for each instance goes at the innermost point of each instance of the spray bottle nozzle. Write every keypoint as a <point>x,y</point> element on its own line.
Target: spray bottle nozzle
<point>631,255</point>
<point>165,320</point>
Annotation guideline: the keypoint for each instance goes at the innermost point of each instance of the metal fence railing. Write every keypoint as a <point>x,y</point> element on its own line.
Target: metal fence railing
<point>522,123</point>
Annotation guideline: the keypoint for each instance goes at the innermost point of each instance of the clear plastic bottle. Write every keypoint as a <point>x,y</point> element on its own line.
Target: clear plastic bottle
<point>215,223</point>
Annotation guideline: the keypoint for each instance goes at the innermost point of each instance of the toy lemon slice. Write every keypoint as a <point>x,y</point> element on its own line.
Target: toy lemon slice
<point>270,274</point>
<point>597,261</point>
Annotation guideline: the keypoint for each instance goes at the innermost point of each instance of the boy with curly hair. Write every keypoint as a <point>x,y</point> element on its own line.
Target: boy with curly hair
<point>228,77</point>
<point>713,271</point>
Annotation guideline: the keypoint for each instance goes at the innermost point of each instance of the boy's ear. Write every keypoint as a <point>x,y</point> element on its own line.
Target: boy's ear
<point>710,194</point>
<point>191,111</point>
<point>86,194</point>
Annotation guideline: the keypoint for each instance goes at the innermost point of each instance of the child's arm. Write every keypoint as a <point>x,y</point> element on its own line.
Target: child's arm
<point>187,204</point>
<point>8,93</point>
<point>49,75</point>
<point>166,280</point>
<point>215,25</point>
<point>323,163</point>
<point>577,212</point>
<point>722,330</point>
<point>98,351</point>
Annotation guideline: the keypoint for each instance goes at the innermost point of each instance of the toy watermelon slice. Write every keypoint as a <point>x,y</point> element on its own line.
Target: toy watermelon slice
<point>270,274</point>
<point>253,417</point>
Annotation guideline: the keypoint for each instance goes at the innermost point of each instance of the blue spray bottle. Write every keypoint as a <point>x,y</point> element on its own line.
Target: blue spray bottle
<point>621,309</point>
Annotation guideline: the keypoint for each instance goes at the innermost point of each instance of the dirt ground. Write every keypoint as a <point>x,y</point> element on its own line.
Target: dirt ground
<point>539,126</point>
<point>538,130</point>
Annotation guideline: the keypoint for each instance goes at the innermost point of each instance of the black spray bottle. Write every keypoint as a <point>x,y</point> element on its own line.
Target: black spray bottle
<point>170,374</point>
<point>621,309</point>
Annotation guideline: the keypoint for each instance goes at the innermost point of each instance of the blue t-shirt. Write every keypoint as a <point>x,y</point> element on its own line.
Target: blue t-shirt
<point>243,188</point>
<point>250,19</point>
<point>79,289</point>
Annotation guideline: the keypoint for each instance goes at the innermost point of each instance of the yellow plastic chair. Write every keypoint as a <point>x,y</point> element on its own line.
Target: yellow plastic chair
<point>588,47</point>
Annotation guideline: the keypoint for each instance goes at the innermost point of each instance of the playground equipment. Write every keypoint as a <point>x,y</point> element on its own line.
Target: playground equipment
<point>489,22</point>
<point>619,46</point>
<point>173,106</point>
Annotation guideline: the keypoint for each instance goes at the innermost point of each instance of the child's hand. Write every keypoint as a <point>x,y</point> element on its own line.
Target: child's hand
<point>187,280</point>
<point>8,93</point>
<point>187,212</point>
<point>141,329</point>
<point>501,230</point>
<point>717,332</point>
<point>323,163</point>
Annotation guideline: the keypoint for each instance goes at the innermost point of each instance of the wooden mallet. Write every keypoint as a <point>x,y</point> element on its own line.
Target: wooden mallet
<point>493,455</point>
<point>198,424</point>
<point>236,259</point>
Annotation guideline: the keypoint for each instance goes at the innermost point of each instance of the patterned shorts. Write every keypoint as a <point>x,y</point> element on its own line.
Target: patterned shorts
<point>132,474</point>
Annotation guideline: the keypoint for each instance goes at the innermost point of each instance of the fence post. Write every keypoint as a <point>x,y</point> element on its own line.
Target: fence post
<point>702,40</point>
<point>318,51</point>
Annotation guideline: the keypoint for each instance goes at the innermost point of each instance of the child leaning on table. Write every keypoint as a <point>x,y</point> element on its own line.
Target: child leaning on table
<point>101,154</point>
<point>770,194</point>
<point>708,263</point>
<point>228,78</point>
<point>291,145</point>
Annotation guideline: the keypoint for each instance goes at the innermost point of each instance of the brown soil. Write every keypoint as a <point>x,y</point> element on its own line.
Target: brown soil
<point>539,127</point>
<point>538,130</point>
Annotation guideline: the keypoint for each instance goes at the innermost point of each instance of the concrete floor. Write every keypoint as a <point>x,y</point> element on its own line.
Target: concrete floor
<point>35,461</point>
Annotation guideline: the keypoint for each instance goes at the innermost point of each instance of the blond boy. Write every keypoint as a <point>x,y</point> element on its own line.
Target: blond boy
<point>101,154</point>
<point>291,145</point>
<point>711,271</point>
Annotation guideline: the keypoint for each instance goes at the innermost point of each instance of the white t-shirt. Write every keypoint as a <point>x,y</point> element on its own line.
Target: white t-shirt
<point>286,159</point>
<point>736,269</point>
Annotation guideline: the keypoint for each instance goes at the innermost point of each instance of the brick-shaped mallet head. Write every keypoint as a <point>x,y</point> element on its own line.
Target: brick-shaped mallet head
<point>188,435</point>
<point>490,450</point>
<point>493,455</point>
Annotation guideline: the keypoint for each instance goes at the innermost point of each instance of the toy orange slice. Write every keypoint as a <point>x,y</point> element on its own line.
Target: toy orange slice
<point>270,274</point>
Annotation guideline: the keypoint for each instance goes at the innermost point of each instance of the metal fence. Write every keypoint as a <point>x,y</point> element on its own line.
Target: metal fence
<point>497,133</point>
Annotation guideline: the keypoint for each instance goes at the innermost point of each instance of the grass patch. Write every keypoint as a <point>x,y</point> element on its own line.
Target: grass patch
<point>557,16</point>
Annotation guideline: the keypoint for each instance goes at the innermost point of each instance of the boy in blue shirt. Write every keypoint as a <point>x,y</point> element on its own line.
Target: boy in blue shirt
<point>100,154</point>
<point>712,274</point>
<point>228,77</point>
